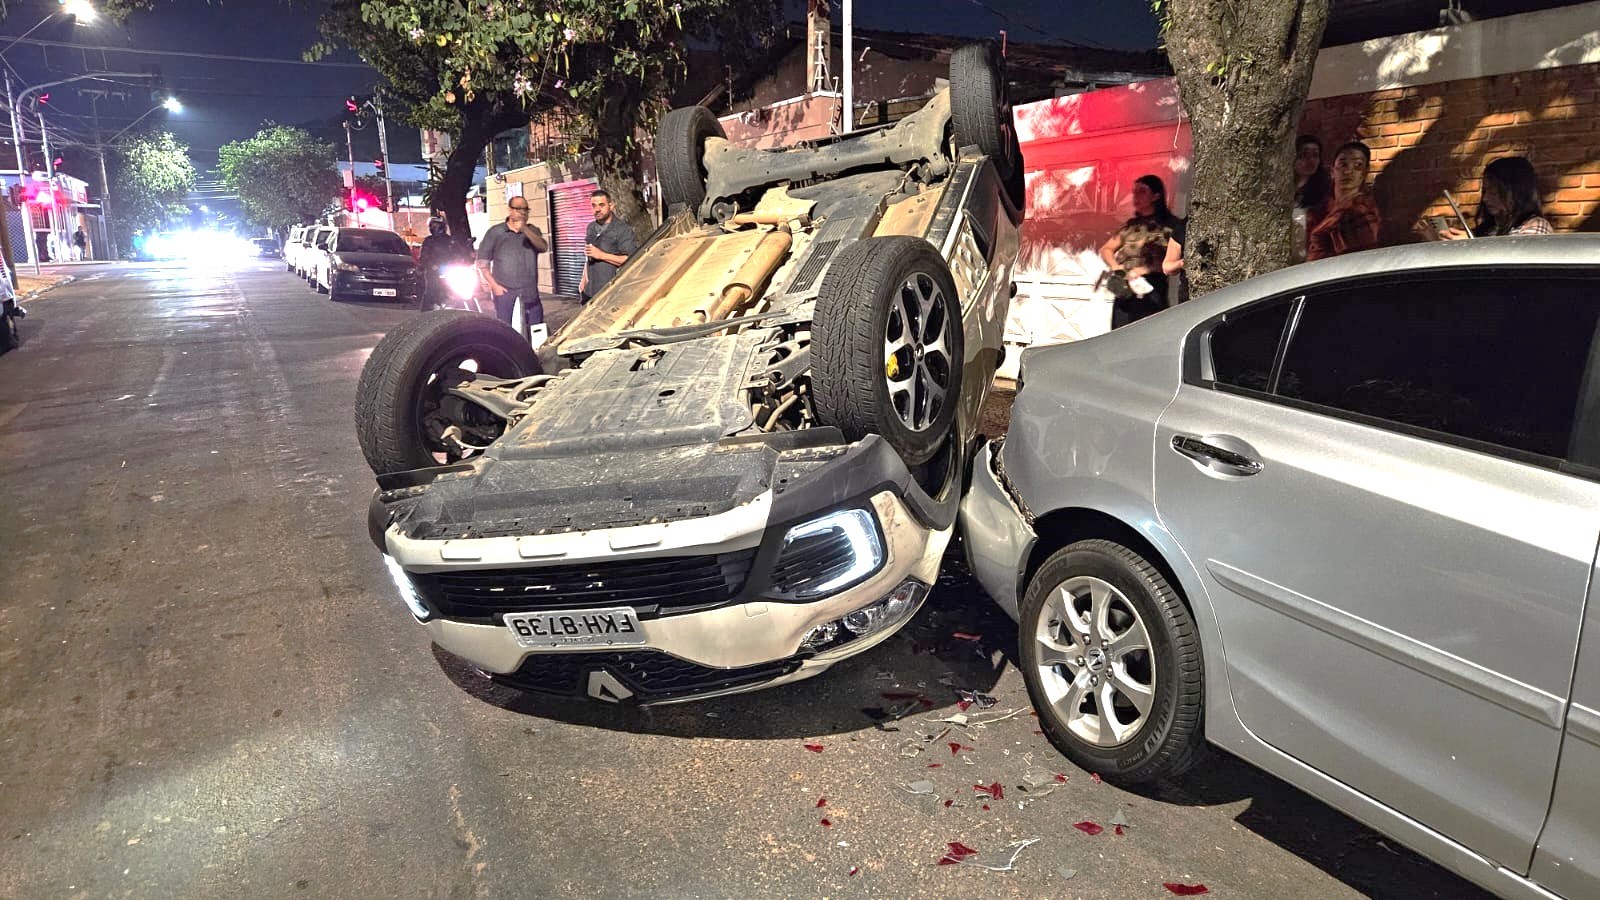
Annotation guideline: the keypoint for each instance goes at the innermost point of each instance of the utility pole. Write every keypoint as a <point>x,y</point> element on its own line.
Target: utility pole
<point>350,148</point>
<point>105,183</point>
<point>383,151</point>
<point>50,170</point>
<point>16,143</point>
<point>849,67</point>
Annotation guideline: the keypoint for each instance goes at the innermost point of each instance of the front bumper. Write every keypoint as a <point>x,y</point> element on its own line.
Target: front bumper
<point>995,533</point>
<point>363,284</point>
<point>742,646</point>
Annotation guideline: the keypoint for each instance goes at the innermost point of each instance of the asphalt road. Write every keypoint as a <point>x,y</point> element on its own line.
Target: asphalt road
<point>209,689</point>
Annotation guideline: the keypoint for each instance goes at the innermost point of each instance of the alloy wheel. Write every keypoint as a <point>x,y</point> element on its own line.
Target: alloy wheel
<point>1095,661</point>
<point>916,352</point>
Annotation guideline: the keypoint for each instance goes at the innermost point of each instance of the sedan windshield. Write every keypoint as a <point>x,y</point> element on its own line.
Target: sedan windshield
<point>371,242</point>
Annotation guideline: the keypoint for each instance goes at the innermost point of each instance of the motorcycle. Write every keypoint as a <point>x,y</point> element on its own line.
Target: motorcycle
<point>465,288</point>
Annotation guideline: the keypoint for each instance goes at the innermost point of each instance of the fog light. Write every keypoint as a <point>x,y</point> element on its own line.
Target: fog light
<point>864,621</point>
<point>408,591</point>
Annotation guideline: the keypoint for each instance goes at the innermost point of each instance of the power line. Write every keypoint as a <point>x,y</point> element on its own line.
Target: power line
<point>189,54</point>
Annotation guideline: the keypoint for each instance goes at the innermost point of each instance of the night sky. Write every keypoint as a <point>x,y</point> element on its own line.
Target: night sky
<point>226,100</point>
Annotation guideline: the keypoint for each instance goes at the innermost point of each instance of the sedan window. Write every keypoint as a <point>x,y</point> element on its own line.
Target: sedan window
<point>372,242</point>
<point>1245,345</point>
<point>1496,359</point>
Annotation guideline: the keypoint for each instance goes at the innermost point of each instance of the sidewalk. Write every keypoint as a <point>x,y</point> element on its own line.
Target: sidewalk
<point>31,286</point>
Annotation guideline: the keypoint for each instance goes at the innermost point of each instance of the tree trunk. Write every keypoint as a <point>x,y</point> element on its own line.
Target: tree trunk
<point>1243,73</point>
<point>481,120</point>
<point>616,161</point>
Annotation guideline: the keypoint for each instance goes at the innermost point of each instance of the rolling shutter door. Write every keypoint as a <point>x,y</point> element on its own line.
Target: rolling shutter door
<point>570,215</point>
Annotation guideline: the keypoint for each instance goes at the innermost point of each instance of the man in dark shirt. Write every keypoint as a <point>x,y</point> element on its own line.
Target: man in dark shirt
<point>610,243</point>
<point>508,256</point>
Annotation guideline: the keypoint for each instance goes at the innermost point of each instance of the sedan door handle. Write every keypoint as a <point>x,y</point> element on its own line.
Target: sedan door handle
<point>1218,459</point>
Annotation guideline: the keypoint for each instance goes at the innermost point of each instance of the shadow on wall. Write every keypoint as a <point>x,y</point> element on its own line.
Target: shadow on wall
<point>1438,137</point>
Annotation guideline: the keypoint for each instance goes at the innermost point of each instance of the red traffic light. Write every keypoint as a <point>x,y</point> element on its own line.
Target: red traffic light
<point>378,163</point>
<point>363,204</point>
<point>350,104</point>
<point>44,97</point>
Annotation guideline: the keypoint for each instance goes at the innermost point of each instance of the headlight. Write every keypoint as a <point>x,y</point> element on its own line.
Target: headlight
<point>827,555</point>
<point>461,280</point>
<point>343,266</point>
<point>408,591</point>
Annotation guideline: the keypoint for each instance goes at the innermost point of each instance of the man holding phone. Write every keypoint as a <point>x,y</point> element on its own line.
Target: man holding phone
<point>508,256</point>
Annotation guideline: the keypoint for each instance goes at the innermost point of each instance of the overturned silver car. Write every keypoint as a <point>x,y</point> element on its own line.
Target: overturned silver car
<point>744,460</point>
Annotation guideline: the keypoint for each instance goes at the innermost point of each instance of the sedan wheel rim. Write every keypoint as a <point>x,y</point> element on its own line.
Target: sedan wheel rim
<point>1095,661</point>
<point>916,352</point>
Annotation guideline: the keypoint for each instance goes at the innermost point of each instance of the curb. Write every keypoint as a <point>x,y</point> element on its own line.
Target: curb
<point>35,294</point>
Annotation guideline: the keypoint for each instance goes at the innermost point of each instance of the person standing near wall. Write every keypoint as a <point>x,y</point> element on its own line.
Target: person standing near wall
<point>1510,204</point>
<point>1313,190</point>
<point>508,256</point>
<point>609,242</point>
<point>1142,254</point>
<point>1353,221</point>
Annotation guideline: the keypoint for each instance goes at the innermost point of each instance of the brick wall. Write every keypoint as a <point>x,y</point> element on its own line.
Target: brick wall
<point>1438,137</point>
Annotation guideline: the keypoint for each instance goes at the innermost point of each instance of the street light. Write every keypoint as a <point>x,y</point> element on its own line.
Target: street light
<point>172,105</point>
<point>80,10</point>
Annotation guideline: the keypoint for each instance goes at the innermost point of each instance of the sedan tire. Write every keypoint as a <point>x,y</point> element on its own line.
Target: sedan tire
<point>1112,662</point>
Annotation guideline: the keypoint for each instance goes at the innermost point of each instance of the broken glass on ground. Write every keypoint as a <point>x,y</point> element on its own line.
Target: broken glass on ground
<point>1002,860</point>
<point>1186,890</point>
<point>1088,828</point>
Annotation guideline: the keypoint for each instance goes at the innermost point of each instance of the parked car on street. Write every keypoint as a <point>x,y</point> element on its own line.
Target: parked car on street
<point>313,248</point>
<point>293,245</point>
<point>743,462</point>
<point>366,262</point>
<point>1340,520</point>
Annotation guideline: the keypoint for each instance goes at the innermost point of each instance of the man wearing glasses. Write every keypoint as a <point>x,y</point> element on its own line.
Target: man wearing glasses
<point>508,256</point>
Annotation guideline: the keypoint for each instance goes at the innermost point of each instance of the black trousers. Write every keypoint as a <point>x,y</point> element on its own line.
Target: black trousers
<point>532,307</point>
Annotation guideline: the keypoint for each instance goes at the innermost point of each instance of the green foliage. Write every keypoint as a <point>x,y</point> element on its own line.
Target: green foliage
<point>575,56</point>
<point>283,176</point>
<point>151,176</point>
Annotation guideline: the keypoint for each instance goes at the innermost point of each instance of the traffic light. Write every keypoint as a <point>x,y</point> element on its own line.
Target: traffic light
<point>44,98</point>
<point>378,164</point>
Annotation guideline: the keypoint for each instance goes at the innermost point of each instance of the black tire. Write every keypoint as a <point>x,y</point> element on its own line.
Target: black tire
<point>851,370</point>
<point>980,112</point>
<point>1169,736</point>
<point>10,334</point>
<point>395,392</point>
<point>680,151</point>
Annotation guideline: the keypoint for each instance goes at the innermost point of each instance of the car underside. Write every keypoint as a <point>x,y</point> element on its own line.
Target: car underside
<point>745,462</point>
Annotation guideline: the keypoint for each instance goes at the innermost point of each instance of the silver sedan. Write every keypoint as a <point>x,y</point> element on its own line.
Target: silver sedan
<point>1341,521</point>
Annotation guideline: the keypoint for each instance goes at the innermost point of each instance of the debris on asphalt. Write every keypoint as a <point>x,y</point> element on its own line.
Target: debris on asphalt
<point>1119,821</point>
<point>926,702</point>
<point>1061,779</point>
<point>855,870</point>
<point>1094,777</point>
<point>976,698</point>
<point>885,675</point>
<point>1117,830</point>
<point>821,802</point>
<point>1003,860</point>
<point>935,765</point>
<point>956,719</point>
<point>920,787</point>
<point>1088,828</point>
<point>1034,779</point>
<point>956,747</point>
<point>993,790</point>
<point>814,748</point>
<point>1186,890</point>
<point>965,636</point>
<point>957,852</point>
<point>826,824</point>
<point>1066,873</point>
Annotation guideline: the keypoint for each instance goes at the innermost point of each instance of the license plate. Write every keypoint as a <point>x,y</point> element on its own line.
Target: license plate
<point>613,627</point>
<point>385,292</point>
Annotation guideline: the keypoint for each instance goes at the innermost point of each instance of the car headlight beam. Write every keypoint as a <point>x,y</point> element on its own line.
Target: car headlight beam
<point>408,591</point>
